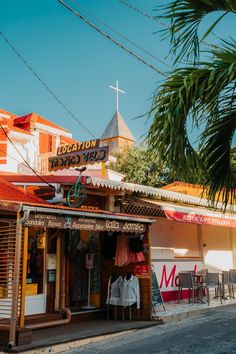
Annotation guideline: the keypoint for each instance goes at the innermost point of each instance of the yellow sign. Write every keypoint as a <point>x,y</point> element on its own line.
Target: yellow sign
<point>84,145</point>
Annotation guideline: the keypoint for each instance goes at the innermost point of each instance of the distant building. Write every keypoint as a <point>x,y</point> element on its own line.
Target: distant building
<point>117,135</point>
<point>31,138</point>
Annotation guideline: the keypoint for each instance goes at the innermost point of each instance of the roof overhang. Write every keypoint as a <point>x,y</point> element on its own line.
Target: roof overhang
<point>82,220</point>
<point>194,215</point>
<point>162,194</point>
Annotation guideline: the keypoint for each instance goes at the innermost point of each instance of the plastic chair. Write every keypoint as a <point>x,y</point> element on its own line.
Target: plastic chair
<point>186,282</point>
<point>226,281</point>
<point>212,281</point>
<point>232,280</point>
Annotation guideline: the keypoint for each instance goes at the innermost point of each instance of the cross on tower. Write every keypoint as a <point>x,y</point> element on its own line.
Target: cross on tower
<point>117,94</point>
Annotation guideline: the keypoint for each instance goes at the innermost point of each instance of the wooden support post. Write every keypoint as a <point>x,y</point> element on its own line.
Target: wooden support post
<point>15,284</point>
<point>24,273</point>
<point>63,274</point>
<point>57,290</point>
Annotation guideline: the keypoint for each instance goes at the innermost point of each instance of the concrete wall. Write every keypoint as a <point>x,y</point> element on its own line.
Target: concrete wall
<point>217,245</point>
<point>180,236</point>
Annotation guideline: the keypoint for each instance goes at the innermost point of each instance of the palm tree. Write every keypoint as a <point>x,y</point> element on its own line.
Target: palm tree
<point>203,91</point>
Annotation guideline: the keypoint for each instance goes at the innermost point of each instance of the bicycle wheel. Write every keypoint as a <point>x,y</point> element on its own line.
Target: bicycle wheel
<point>76,196</point>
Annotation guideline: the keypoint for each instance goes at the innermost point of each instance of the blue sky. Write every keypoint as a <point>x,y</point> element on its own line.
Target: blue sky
<point>78,64</point>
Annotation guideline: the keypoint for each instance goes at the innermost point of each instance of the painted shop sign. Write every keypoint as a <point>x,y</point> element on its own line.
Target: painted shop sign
<point>142,271</point>
<point>167,275</point>
<point>79,158</point>
<point>79,223</point>
<point>84,145</point>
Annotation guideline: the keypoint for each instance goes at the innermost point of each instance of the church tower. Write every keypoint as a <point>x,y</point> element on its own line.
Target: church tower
<point>117,134</point>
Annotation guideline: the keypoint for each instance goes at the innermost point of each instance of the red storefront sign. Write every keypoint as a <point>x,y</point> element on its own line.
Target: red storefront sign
<point>200,218</point>
<point>142,271</point>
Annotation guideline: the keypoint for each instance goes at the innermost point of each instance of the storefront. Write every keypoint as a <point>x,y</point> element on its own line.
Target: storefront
<point>81,261</point>
<point>190,238</point>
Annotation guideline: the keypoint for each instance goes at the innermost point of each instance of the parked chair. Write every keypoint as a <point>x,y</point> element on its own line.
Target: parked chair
<point>186,281</point>
<point>226,281</point>
<point>212,281</point>
<point>203,272</point>
<point>233,280</point>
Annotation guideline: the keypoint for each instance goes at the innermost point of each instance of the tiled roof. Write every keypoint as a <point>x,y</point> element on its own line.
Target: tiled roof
<point>3,111</point>
<point>10,121</point>
<point>33,117</point>
<point>117,128</point>
<point>9,192</point>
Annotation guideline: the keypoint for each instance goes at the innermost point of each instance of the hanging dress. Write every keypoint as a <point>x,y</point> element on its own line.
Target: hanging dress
<point>122,251</point>
<point>136,250</point>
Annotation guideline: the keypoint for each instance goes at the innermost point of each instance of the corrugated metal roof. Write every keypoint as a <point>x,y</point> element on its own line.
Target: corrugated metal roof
<point>117,128</point>
<point>9,192</point>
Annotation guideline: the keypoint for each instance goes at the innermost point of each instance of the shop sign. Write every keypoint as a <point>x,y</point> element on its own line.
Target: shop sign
<point>51,261</point>
<point>80,223</point>
<point>198,218</point>
<point>10,206</point>
<point>84,145</point>
<point>142,271</point>
<point>51,276</point>
<point>157,299</point>
<point>167,274</point>
<point>79,158</point>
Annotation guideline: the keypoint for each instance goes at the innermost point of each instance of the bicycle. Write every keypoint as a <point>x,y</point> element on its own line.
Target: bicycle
<point>77,193</point>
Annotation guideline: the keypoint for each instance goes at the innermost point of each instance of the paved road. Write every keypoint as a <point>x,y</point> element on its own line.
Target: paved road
<point>212,333</point>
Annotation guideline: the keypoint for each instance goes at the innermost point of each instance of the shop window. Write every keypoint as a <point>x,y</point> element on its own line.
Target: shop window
<point>35,263</point>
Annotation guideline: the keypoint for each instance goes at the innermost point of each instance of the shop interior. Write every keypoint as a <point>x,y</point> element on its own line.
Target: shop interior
<point>101,271</point>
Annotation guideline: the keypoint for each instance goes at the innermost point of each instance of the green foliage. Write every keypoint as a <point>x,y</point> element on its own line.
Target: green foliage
<point>203,92</point>
<point>185,17</point>
<point>141,168</point>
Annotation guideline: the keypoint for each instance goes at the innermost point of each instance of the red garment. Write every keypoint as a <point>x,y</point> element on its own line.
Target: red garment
<point>136,257</point>
<point>122,251</point>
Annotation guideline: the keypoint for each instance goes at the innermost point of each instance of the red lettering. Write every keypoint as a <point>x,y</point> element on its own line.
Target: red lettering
<point>171,277</point>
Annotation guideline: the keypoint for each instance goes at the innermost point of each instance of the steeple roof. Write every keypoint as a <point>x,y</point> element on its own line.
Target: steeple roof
<point>117,127</point>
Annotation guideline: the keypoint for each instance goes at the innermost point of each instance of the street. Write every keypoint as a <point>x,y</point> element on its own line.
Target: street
<point>214,332</point>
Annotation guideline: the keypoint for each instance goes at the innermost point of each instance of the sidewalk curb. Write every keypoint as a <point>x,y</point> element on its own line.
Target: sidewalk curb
<point>73,344</point>
<point>189,314</point>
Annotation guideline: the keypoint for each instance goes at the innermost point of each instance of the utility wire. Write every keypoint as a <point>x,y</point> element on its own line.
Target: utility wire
<point>13,158</point>
<point>110,38</point>
<point>42,179</point>
<point>45,85</point>
<point>143,13</point>
<point>155,19</point>
<point>119,34</point>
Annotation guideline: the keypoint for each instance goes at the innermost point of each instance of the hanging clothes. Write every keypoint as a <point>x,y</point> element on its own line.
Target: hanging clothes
<point>114,291</point>
<point>131,291</point>
<point>136,249</point>
<point>122,251</point>
<point>109,245</point>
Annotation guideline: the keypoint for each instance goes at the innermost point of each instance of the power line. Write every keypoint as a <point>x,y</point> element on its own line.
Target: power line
<point>7,136</point>
<point>13,158</point>
<point>143,13</point>
<point>110,38</point>
<point>121,35</point>
<point>45,85</point>
<point>154,18</point>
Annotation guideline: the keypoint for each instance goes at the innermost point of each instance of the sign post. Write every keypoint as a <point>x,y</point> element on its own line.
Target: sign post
<point>157,299</point>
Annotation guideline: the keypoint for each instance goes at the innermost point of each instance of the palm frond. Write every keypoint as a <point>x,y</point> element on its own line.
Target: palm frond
<point>205,93</point>
<point>215,153</point>
<point>185,17</point>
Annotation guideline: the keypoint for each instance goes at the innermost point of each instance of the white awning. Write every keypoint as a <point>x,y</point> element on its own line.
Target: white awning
<point>156,192</point>
<point>194,215</point>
